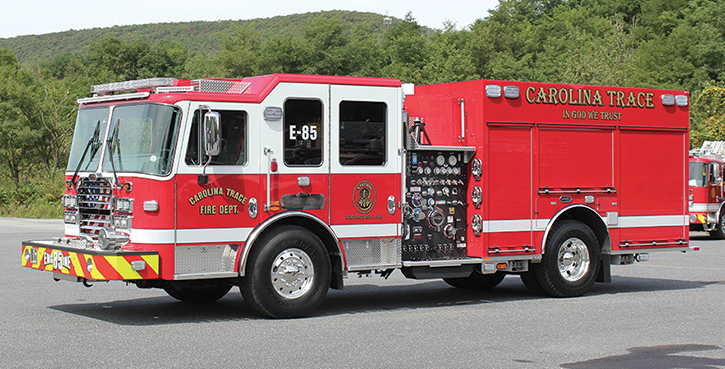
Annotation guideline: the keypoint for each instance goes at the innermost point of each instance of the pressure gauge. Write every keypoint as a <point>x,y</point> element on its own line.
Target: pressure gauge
<point>440,160</point>
<point>428,171</point>
<point>452,160</point>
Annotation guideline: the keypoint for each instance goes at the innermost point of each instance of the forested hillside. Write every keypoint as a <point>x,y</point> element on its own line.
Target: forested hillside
<point>677,44</point>
<point>199,37</point>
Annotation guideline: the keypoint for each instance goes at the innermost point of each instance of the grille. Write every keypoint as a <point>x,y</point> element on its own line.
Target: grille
<point>94,205</point>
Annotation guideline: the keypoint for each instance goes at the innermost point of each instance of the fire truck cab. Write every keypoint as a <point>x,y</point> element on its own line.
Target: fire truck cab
<point>706,197</point>
<point>285,184</point>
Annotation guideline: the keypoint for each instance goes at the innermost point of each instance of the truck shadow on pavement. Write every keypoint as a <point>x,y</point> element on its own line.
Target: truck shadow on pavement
<point>354,299</point>
<point>654,357</point>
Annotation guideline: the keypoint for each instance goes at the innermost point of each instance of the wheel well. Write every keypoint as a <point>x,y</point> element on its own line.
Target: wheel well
<point>592,220</point>
<point>589,217</point>
<point>315,227</point>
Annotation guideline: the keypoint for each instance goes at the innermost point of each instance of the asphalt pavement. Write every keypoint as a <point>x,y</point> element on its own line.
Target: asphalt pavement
<point>668,312</point>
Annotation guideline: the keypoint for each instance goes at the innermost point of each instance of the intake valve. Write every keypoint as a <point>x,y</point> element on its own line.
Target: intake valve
<point>450,231</point>
<point>436,218</point>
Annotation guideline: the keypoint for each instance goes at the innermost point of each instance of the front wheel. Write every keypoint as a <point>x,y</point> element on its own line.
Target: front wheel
<point>568,267</point>
<point>288,273</point>
<point>719,232</point>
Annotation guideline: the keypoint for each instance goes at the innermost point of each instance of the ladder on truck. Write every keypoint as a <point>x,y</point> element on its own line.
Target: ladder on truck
<point>712,148</point>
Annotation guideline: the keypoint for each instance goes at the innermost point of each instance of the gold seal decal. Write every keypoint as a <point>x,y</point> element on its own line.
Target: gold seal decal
<point>364,197</point>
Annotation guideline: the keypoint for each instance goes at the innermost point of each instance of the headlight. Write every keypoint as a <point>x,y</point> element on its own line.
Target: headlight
<point>124,205</point>
<point>70,217</point>
<point>122,222</point>
<point>70,202</point>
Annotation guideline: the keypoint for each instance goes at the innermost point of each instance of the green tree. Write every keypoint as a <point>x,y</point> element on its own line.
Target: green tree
<point>708,113</point>
<point>239,52</point>
<point>406,50</point>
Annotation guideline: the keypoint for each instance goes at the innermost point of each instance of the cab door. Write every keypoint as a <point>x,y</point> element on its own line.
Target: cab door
<point>295,151</point>
<point>366,171</point>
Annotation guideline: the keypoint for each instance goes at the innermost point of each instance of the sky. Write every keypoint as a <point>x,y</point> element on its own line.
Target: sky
<point>28,17</point>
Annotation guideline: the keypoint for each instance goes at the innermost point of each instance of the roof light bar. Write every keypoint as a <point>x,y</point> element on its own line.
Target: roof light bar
<point>133,85</point>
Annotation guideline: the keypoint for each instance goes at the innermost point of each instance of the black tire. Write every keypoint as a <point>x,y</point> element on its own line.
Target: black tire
<point>197,292</point>
<point>719,232</point>
<point>477,281</point>
<point>530,281</point>
<point>569,265</point>
<point>294,292</point>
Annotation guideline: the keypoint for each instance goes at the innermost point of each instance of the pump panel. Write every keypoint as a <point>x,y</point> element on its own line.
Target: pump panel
<point>435,219</point>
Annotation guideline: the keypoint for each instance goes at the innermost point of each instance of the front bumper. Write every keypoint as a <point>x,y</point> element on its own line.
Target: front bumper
<point>90,264</point>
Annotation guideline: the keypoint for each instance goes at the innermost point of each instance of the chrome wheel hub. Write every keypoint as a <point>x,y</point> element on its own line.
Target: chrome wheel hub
<point>292,273</point>
<point>573,259</point>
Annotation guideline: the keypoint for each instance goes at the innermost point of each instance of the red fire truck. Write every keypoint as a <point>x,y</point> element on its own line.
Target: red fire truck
<point>286,184</point>
<point>706,198</point>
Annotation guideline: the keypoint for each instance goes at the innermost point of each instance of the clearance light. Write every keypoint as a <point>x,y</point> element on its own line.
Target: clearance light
<point>511,92</point>
<point>493,91</point>
<point>501,266</point>
<point>150,205</point>
<point>138,265</point>
<point>681,100</point>
<point>668,100</point>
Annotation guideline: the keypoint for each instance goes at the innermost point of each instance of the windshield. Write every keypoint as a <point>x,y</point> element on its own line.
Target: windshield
<point>141,138</point>
<point>85,145</point>
<point>698,174</point>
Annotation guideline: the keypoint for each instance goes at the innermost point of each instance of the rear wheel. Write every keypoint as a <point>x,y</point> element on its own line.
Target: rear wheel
<point>568,267</point>
<point>197,292</point>
<point>477,281</point>
<point>288,273</point>
<point>530,281</point>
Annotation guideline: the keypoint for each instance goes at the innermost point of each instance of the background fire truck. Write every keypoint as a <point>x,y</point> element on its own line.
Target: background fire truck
<point>706,196</point>
<point>284,184</point>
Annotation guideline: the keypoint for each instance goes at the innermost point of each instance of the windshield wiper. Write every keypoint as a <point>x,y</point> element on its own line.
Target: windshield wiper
<point>109,144</point>
<point>93,144</point>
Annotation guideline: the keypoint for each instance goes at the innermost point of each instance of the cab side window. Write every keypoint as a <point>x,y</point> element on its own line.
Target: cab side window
<point>234,145</point>
<point>303,132</point>
<point>362,133</point>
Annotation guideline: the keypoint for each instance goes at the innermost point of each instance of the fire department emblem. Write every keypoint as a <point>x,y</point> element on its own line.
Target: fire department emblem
<point>364,197</point>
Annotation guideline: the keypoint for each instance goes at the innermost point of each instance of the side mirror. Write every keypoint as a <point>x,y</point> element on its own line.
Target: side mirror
<point>212,133</point>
